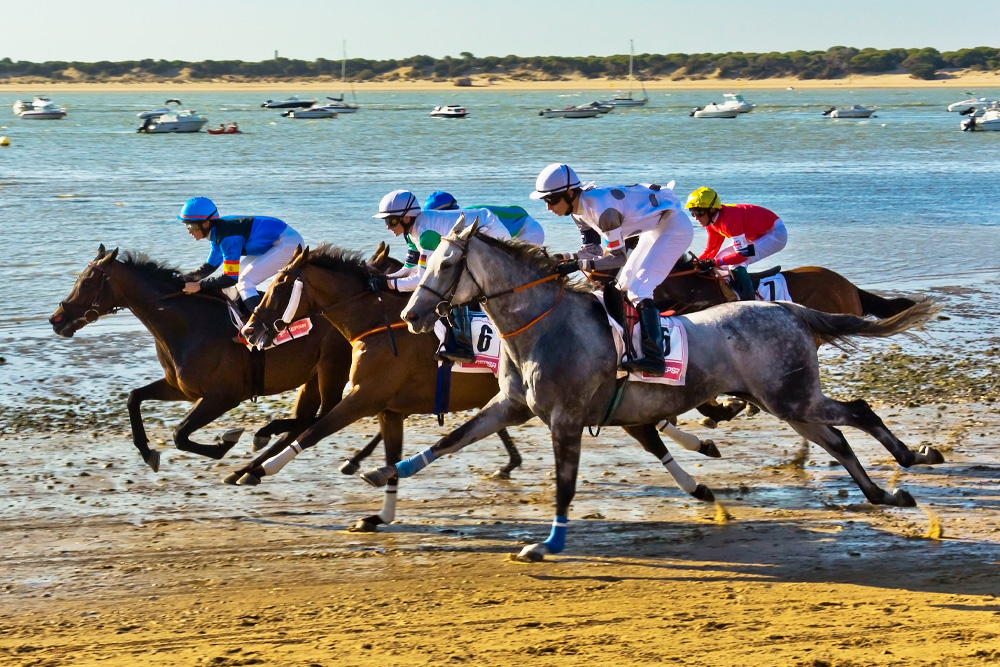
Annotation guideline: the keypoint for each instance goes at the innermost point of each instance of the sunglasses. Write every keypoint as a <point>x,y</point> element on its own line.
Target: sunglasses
<point>553,198</point>
<point>393,220</point>
<point>698,212</point>
<point>193,225</point>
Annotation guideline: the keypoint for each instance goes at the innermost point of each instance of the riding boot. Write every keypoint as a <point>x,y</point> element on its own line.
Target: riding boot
<point>651,362</point>
<point>250,304</point>
<point>458,341</point>
<point>743,284</point>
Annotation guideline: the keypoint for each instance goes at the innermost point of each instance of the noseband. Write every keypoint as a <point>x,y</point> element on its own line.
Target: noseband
<point>92,313</point>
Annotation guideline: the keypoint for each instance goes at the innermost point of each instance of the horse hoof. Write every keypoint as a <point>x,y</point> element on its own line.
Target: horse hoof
<point>709,449</point>
<point>232,478</point>
<point>260,442</point>
<point>369,524</point>
<point>708,422</point>
<point>533,553</point>
<point>378,477</point>
<point>153,460</point>
<point>500,474</point>
<point>702,492</point>
<point>248,480</point>
<point>931,456</point>
<point>349,468</point>
<point>751,410</point>
<point>903,499</point>
<point>232,436</point>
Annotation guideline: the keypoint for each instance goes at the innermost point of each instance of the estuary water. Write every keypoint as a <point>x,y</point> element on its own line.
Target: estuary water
<point>902,202</point>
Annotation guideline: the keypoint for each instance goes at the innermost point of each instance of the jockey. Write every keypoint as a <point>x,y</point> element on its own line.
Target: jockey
<point>423,231</point>
<point>517,221</point>
<point>250,249</point>
<point>756,233</point>
<point>646,211</point>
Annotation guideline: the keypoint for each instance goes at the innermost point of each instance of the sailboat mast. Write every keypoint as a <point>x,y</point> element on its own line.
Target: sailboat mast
<point>631,57</point>
<point>343,70</point>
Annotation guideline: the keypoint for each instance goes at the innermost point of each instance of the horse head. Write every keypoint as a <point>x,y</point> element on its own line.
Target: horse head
<point>443,282</point>
<point>90,297</point>
<point>281,304</point>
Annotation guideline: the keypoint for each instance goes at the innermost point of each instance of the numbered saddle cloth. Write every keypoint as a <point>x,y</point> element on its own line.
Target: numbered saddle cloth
<point>296,329</point>
<point>485,343</point>
<point>773,288</point>
<point>674,340</point>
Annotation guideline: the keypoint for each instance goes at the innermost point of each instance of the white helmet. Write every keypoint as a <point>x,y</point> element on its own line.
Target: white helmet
<point>398,202</point>
<point>555,178</point>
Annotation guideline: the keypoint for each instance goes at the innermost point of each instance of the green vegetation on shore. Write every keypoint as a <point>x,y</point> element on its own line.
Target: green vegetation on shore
<point>834,63</point>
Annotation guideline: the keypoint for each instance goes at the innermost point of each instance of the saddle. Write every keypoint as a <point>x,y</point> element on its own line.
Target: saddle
<point>761,275</point>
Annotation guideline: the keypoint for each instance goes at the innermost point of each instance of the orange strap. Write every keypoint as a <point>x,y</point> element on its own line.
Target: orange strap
<point>537,282</point>
<point>562,288</point>
<point>397,325</point>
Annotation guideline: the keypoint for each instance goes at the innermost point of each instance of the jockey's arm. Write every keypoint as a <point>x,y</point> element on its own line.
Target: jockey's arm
<point>610,224</point>
<point>203,271</point>
<point>230,250</point>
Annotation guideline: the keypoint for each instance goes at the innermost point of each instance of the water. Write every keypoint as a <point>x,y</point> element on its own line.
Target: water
<point>904,201</point>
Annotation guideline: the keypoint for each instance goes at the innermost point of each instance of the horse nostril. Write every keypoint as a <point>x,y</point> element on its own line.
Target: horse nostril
<point>411,317</point>
<point>55,319</point>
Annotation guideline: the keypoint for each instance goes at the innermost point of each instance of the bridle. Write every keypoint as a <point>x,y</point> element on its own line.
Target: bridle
<point>92,314</point>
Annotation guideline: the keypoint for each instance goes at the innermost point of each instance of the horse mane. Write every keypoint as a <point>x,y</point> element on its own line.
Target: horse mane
<point>158,271</point>
<point>535,257</point>
<point>333,258</point>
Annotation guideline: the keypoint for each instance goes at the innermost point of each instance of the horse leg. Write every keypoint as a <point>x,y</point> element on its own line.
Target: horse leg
<point>160,390</point>
<point>307,403</point>
<point>206,410</point>
<point>351,465</point>
<point>714,412</point>
<point>865,419</point>
<point>651,442</point>
<point>566,436</point>
<point>499,413</point>
<point>391,426</point>
<point>688,441</point>
<point>514,456</point>
<point>834,442</point>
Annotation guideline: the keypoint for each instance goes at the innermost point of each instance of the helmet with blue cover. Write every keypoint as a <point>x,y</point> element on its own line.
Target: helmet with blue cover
<point>198,209</point>
<point>440,201</point>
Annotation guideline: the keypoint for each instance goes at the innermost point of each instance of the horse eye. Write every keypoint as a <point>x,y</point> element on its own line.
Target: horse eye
<point>86,282</point>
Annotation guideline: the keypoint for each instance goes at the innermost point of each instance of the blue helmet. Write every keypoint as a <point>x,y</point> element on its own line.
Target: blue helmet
<point>198,209</point>
<point>440,201</point>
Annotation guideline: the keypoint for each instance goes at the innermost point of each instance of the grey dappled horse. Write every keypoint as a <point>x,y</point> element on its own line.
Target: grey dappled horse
<point>559,362</point>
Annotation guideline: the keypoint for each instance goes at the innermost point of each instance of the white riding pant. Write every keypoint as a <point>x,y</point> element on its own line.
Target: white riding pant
<point>255,269</point>
<point>655,255</point>
<point>532,232</point>
<point>768,244</point>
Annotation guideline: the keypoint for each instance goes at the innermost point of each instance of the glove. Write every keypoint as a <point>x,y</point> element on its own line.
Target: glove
<point>748,251</point>
<point>706,265</point>
<point>567,267</point>
<point>563,256</point>
<point>378,284</point>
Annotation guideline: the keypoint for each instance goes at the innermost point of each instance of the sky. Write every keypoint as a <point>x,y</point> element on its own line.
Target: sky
<point>253,30</point>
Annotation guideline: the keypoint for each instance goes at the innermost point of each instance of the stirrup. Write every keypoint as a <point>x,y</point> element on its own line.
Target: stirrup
<point>458,355</point>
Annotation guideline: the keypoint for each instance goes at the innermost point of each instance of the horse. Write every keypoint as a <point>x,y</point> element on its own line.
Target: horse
<point>559,362</point>
<point>393,373</point>
<point>200,361</point>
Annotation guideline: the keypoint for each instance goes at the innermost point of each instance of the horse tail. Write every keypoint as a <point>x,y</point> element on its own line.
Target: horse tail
<point>876,306</point>
<point>837,329</point>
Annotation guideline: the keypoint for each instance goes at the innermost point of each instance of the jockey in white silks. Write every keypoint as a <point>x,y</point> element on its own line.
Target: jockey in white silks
<point>647,211</point>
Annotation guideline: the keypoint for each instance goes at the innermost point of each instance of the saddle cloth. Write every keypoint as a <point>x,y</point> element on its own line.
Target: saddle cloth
<point>485,343</point>
<point>676,360</point>
<point>773,288</point>
<point>296,329</point>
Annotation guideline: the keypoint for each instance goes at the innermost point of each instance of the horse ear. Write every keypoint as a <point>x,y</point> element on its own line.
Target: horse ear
<point>459,225</point>
<point>101,250</point>
<point>114,253</point>
<point>470,230</point>
<point>304,255</point>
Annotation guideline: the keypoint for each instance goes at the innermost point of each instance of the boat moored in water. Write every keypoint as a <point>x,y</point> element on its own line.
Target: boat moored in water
<point>449,111</point>
<point>735,100</point>
<point>857,111</point>
<point>571,112</point>
<point>989,120</point>
<point>41,108</point>
<point>174,122</point>
<point>156,113</point>
<point>714,110</point>
<point>292,102</point>
<point>316,111</point>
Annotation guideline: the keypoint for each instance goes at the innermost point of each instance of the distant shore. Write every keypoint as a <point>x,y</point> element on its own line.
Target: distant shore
<point>962,79</point>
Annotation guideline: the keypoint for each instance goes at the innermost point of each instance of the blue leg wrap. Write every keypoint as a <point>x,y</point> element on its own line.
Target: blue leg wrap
<point>557,538</point>
<point>414,464</point>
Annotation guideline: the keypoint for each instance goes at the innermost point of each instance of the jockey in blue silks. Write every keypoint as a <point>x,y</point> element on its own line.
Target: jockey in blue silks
<point>250,249</point>
<point>517,221</point>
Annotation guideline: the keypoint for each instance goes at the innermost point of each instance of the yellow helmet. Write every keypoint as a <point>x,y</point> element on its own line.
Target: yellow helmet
<point>703,198</point>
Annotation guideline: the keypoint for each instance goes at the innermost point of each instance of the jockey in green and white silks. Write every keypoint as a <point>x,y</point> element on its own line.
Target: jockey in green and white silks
<point>423,231</point>
<point>517,221</point>
<point>647,211</point>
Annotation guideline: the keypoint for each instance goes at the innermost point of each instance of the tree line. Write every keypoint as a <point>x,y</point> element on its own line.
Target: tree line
<point>836,62</point>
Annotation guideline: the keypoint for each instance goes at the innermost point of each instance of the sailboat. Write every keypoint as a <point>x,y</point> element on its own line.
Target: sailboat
<point>339,105</point>
<point>627,100</point>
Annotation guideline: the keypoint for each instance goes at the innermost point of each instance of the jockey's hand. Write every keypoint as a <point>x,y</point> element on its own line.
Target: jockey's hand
<point>563,256</point>
<point>567,267</point>
<point>192,288</point>
<point>706,266</point>
<point>379,284</point>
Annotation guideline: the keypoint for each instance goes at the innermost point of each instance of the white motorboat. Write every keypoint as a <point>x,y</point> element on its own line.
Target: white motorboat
<point>857,111</point>
<point>570,112</point>
<point>176,121</point>
<point>990,120</point>
<point>41,108</point>
<point>626,99</point>
<point>736,100</point>
<point>292,102</point>
<point>965,105</point>
<point>316,111</point>
<point>449,111</point>
<point>339,103</point>
<point>602,107</point>
<point>156,113</point>
<point>714,110</point>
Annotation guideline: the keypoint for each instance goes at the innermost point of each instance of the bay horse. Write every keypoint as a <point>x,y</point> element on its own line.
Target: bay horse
<point>393,372</point>
<point>559,363</point>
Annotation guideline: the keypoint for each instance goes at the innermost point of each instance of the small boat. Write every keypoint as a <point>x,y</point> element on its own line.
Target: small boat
<point>156,113</point>
<point>570,112</point>
<point>736,100</point>
<point>173,122</point>
<point>292,102</point>
<point>317,111</point>
<point>449,111</point>
<point>41,108</point>
<point>226,128</point>
<point>340,106</point>
<point>626,99</point>
<point>339,103</point>
<point>972,102</point>
<point>990,120</point>
<point>602,107</point>
<point>714,110</point>
<point>857,111</point>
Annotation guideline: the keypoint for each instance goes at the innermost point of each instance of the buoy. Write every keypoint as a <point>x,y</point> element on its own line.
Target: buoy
<point>4,141</point>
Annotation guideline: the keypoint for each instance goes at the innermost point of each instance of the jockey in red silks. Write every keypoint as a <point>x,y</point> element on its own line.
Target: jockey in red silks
<point>755,232</point>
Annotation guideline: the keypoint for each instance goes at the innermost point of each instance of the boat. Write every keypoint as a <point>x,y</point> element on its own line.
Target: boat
<point>316,111</point>
<point>449,111</point>
<point>176,121</point>
<point>21,106</point>
<point>42,108</point>
<point>857,111</point>
<point>600,106</point>
<point>736,100</point>
<point>338,102</point>
<point>714,110</point>
<point>970,103</point>
<point>292,102</point>
<point>626,99</point>
<point>570,112</point>
<point>990,120</point>
<point>156,113</point>
<point>226,128</point>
